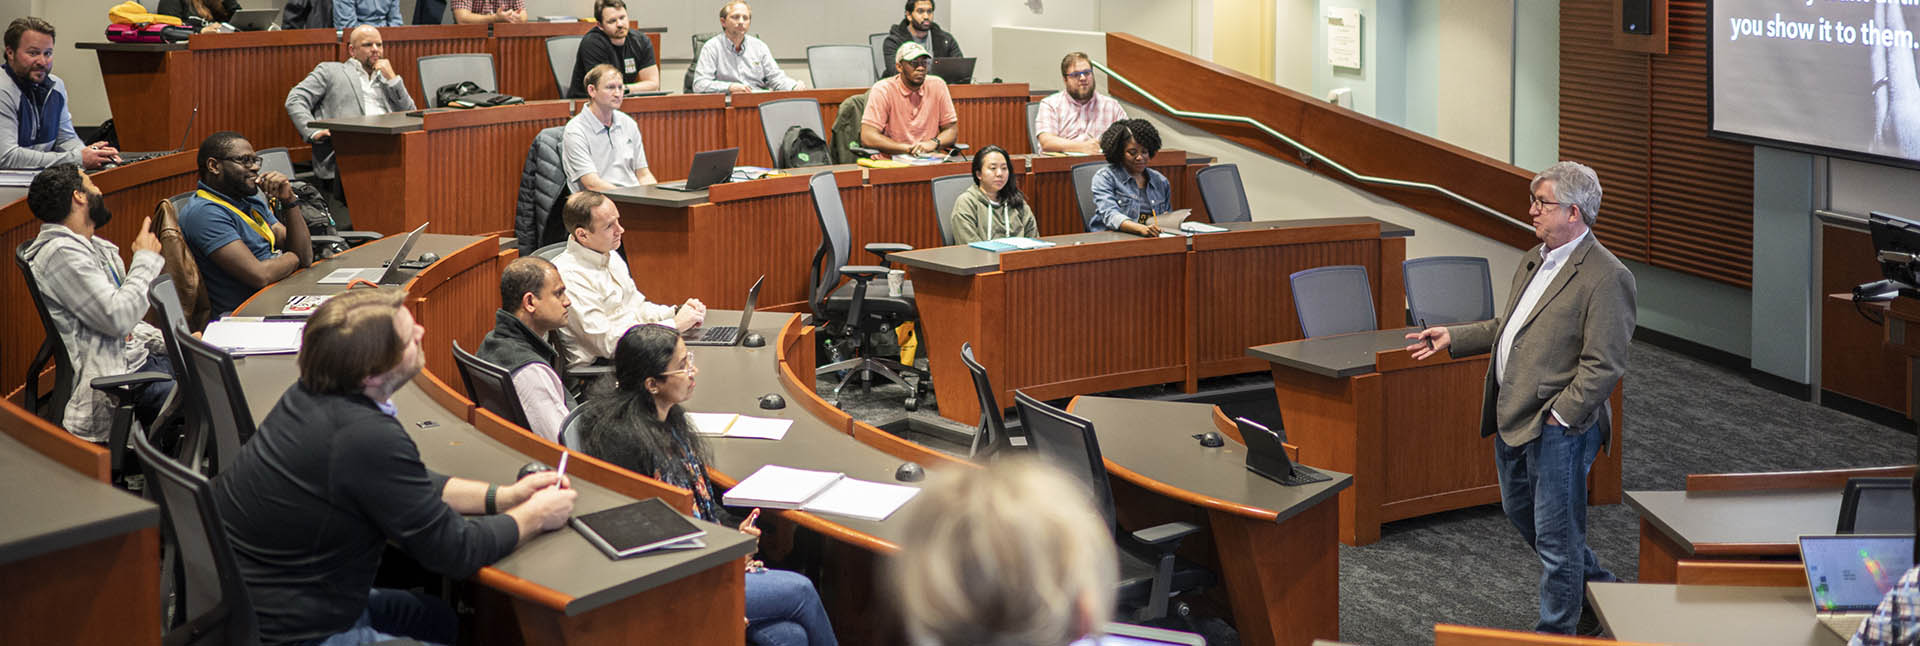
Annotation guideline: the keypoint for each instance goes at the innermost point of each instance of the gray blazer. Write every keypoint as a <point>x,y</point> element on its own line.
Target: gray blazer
<point>328,92</point>
<point>1568,354</point>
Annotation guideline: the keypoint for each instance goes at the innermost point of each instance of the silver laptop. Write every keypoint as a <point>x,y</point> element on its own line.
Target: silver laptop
<point>1133,635</point>
<point>1848,574</point>
<point>388,275</point>
<point>709,167</point>
<point>253,19</point>
<point>725,334</point>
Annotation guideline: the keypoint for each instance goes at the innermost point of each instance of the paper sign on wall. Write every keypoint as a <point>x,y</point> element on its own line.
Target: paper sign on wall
<point>1343,37</point>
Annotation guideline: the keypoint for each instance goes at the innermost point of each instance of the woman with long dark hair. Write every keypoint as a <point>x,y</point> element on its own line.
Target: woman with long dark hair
<point>641,426</point>
<point>994,207</point>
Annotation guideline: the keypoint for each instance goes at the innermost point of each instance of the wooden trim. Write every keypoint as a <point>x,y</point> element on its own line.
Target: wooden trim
<point>1092,252</point>
<point>735,191</point>
<point>89,459</point>
<point>1758,573</point>
<point>445,396</point>
<point>1820,479</point>
<point>523,589</point>
<point>414,33</point>
<point>541,29</point>
<point>1247,238</point>
<point>990,91</point>
<point>644,104</point>
<point>1659,554</point>
<point>496,116</point>
<point>1747,549</point>
<point>586,467</point>
<point>793,336</point>
<point>916,174</point>
<point>256,39</point>
<point>1456,635</point>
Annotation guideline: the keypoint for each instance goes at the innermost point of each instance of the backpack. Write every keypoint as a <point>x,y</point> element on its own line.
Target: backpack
<point>467,94</point>
<point>802,147</point>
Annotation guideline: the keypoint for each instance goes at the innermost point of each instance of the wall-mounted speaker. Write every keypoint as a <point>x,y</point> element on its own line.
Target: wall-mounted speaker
<point>1636,17</point>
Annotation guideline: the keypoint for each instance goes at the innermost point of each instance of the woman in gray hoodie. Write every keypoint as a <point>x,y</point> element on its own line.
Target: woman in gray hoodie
<point>994,207</point>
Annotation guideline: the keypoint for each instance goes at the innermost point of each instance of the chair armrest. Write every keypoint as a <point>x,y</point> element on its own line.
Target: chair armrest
<point>129,380</point>
<point>863,151</point>
<point>1168,534</point>
<point>863,273</point>
<point>881,249</point>
<point>357,238</point>
<point>317,240</point>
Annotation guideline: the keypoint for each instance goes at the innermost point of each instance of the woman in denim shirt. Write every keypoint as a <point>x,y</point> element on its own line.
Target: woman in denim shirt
<point>1126,189</point>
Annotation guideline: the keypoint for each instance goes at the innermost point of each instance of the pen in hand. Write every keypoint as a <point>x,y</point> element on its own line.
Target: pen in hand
<point>561,482</point>
<point>1423,337</point>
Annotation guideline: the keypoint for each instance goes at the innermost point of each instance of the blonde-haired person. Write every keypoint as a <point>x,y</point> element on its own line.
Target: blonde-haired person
<point>1010,555</point>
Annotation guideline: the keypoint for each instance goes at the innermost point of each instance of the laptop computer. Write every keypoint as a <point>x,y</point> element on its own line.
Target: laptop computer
<point>1848,574</point>
<point>1266,456</point>
<point>709,167</point>
<point>1131,635</point>
<point>253,19</point>
<point>390,274</point>
<point>956,71</point>
<point>727,334</point>
<point>128,158</point>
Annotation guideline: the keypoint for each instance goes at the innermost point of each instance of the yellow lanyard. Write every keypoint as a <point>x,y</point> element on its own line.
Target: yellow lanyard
<point>259,225</point>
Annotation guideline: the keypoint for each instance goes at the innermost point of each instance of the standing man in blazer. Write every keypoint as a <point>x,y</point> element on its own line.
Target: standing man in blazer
<point>1559,348</point>
<point>363,84</point>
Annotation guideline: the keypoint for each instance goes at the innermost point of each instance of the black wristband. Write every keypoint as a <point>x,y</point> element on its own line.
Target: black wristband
<point>492,491</point>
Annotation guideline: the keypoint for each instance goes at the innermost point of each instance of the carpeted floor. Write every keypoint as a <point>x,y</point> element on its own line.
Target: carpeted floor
<point>1469,566</point>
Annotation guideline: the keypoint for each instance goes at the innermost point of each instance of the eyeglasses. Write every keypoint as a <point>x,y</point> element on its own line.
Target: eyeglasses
<point>690,369</point>
<point>1081,75</point>
<point>1537,203</point>
<point>248,161</point>
<point>918,62</point>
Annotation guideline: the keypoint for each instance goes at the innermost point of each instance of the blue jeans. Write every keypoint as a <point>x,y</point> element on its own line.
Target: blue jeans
<point>783,609</point>
<point>153,396</point>
<point>392,614</point>
<point>1543,489</point>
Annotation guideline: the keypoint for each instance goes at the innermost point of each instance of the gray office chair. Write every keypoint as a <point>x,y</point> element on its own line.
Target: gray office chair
<point>878,43</point>
<point>561,52</point>
<point>1876,506</point>
<point>946,191</point>
<point>551,251</point>
<point>992,438</point>
<point>439,71</point>
<point>1333,300</point>
<point>1223,194</point>
<point>53,406</point>
<point>489,386</point>
<point>1083,187</point>
<point>777,116</point>
<point>276,159</point>
<point>570,430</point>
<point>184,407</point>
<point>1033,136</point>
<point>227,413</point>
<point>218,610</point>
<point>1442,290</point>
<point>839,66</point>
<point>858,307</point>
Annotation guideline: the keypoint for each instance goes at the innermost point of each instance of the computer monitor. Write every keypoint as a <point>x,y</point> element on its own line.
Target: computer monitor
<point>1896,243</point>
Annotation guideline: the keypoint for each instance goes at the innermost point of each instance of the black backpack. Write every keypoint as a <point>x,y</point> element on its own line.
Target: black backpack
<point>802,147</point>
<point>467,94</point>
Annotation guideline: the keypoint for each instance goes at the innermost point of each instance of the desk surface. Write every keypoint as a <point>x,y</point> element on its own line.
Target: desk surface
<point>49,507</point>
<point>1705,614</point>
<point>967,260</point>
<point>391,123</point>
<point>1699,519</point>
<point>1338,356</point>
<point>652,195</point>
<point>1154,440</point>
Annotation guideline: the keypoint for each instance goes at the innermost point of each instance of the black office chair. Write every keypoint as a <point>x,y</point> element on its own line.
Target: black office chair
<point>992,438</point>
<point>947,190</point>
<point>1033,137</point>
<point>1083,187</point>
<point>215,598</point>
<point>53,406</point>
<point>227,413</point>
<point>1224,195</point>
<point>1333,300</point>
<point>1150,574</point>
<point>489,386</point>
<point>1443,290</point>
<point>1876,506</point>
<point>860,307</point>
<point>183,406</point>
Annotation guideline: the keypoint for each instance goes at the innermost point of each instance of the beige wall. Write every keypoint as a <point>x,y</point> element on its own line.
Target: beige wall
<point>1243,36</point>
<point>1474,73</point>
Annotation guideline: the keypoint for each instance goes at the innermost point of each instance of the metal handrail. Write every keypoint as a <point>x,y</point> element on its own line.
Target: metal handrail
<point>1307,154</point>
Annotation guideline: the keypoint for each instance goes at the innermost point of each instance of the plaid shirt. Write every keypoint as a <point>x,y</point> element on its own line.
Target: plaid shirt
<point>97,304</point>
<point>1897,621</point>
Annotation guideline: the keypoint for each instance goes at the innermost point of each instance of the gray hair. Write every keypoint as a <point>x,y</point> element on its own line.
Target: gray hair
<point>1574,184</point>
<point>1010,555</point>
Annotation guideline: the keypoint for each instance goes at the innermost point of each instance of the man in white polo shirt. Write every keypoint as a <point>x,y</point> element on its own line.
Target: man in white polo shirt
<point>601,148</point>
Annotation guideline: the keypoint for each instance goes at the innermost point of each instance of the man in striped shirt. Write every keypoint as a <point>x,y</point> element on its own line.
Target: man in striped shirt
<point>1072,119</point>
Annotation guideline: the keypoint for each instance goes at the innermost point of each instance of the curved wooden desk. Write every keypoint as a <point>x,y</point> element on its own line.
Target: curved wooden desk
<point>1272,545</point>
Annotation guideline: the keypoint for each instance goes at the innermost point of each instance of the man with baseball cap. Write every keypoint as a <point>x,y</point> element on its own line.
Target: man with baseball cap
<point>910,112</point>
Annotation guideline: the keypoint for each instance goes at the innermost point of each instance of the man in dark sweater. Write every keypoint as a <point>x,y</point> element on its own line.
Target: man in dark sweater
<point>613,43</point>
<point>331,477</point>
<point>919,27</point>
<point>533,303</point>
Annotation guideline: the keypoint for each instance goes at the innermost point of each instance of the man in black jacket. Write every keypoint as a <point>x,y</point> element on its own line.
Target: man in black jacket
<point>919,26</point>
<point>533,304</point>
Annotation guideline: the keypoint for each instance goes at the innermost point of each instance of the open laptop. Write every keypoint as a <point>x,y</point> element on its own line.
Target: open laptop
<point>1848,574</point>
<point>253,19</point>
<point>1132,635</point>
<point>1266,456</point>
<point>727,334</point>
<point>388,275</point>
<point>709,167</point>
<point>956,71</point>
<point>128,158</point>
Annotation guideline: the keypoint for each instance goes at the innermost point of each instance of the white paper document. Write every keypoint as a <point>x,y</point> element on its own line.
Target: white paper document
<point>740,426</point>
<point>823,492</point>
<point>861,499</point>
<point>245,336</point>
<point>346,275</point>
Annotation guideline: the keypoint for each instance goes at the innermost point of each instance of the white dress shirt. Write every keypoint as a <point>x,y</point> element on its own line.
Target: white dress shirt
<point>1553,260</point>
<point>720,65</point>
<point>371,86</point>
<point>605,303</point>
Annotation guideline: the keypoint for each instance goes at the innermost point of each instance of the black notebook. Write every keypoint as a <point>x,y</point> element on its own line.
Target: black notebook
<point>634,528</point>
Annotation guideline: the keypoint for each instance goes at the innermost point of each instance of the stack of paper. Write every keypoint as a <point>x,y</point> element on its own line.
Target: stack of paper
<point>252,335</point>
<point>1200,227</point>
<point>1010,244</point>
<point>742,426</point>
<point>824,492</point>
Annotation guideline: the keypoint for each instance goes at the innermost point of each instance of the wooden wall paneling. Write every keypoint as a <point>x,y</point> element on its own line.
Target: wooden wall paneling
<point>673,128</point>
<point>520,57</point>
<point>1243,299</point>
<point>1854,360</point>
<point>406,45</point>
<point>240,82</point>
<point>1701,220</point>
<point>1046,349</point>
<point>474,160</point>
<point>1296,610</point>
<point>99,593</point>
<point>715,251</point>
<point>743,120</point>
<point>689,604</point>
<point>957,310</point>
<point>901,206</point>
<point>1605,122</point>
<point>1432,455</point>
<point>447,298</point>
<point>150,112</point>
<point>1321,420</point>
<point>384,174</point>
<point>993,114</point>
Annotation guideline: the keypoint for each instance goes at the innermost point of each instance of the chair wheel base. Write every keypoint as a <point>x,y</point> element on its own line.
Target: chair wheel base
<point>912,404</point>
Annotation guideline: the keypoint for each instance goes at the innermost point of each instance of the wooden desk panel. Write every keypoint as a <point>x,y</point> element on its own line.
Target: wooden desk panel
<point>673,128</point>
<point>993,113</point>
<point>1056,208</point>
<point>473,162</point>
<point>743,120</point>
<point>520,57</point>
<point>240,82</point>
<point>405,45</point>
<point>1094,338</point>
<point>900,206</point>
<point>1241,294</point>
<point>448,298</point>
<point>149,111</point>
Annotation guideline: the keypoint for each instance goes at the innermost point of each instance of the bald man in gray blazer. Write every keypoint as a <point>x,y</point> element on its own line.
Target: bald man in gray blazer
<point>363,84</point>
<point>1558,349</point>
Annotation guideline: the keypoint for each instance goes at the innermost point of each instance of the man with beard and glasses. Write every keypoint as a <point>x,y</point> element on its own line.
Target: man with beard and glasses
<point>315,498</point>
<point>918,27</point>
<point>36,130</point>
<point>1072,120</point>
<point>237,223</point>
<point>910,113</point>
<point>96,301</point>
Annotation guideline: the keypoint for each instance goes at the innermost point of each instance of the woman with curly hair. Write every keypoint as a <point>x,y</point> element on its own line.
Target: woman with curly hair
<point>1125,189</point>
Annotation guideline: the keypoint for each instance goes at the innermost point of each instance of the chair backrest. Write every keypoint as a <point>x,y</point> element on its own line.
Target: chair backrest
<point>551,251</point>
<point>991,438</point>
<point>227,413</point>
<point>1223,194</point>
<point>276,159</point>
<point>1876,506</point>
<point>570,430</point>
<point>777,116</point>
<point>878,43</point>
<point>838,66</point>
<point>946,191</point>
<point>1333,300</point>
<point>438,71</point>
<point>1447,289</point>
<point>1083,187</point>
<point>213,583</point>
<point>53,407</point>
<point>490,386</point>
<point>193,443</point>
<point>1069,442</point>
<point>836,241</point>
<point>1033,136</point>
<point>561,50</point>
<point>699,41</point>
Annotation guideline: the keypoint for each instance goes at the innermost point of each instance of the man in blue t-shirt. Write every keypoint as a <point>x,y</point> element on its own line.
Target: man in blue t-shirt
<point>236,223</point>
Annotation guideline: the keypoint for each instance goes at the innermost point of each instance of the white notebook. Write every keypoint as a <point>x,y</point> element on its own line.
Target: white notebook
<point>251,335</point>
<point>741,426</point>
<point>826,492</point>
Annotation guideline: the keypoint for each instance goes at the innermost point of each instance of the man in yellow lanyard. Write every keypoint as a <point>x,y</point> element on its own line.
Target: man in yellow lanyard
<point>243,225</point>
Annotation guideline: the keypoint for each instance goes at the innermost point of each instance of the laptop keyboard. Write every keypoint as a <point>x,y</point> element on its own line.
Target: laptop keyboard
<point>722,335</point>
<point>1303,474</point>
